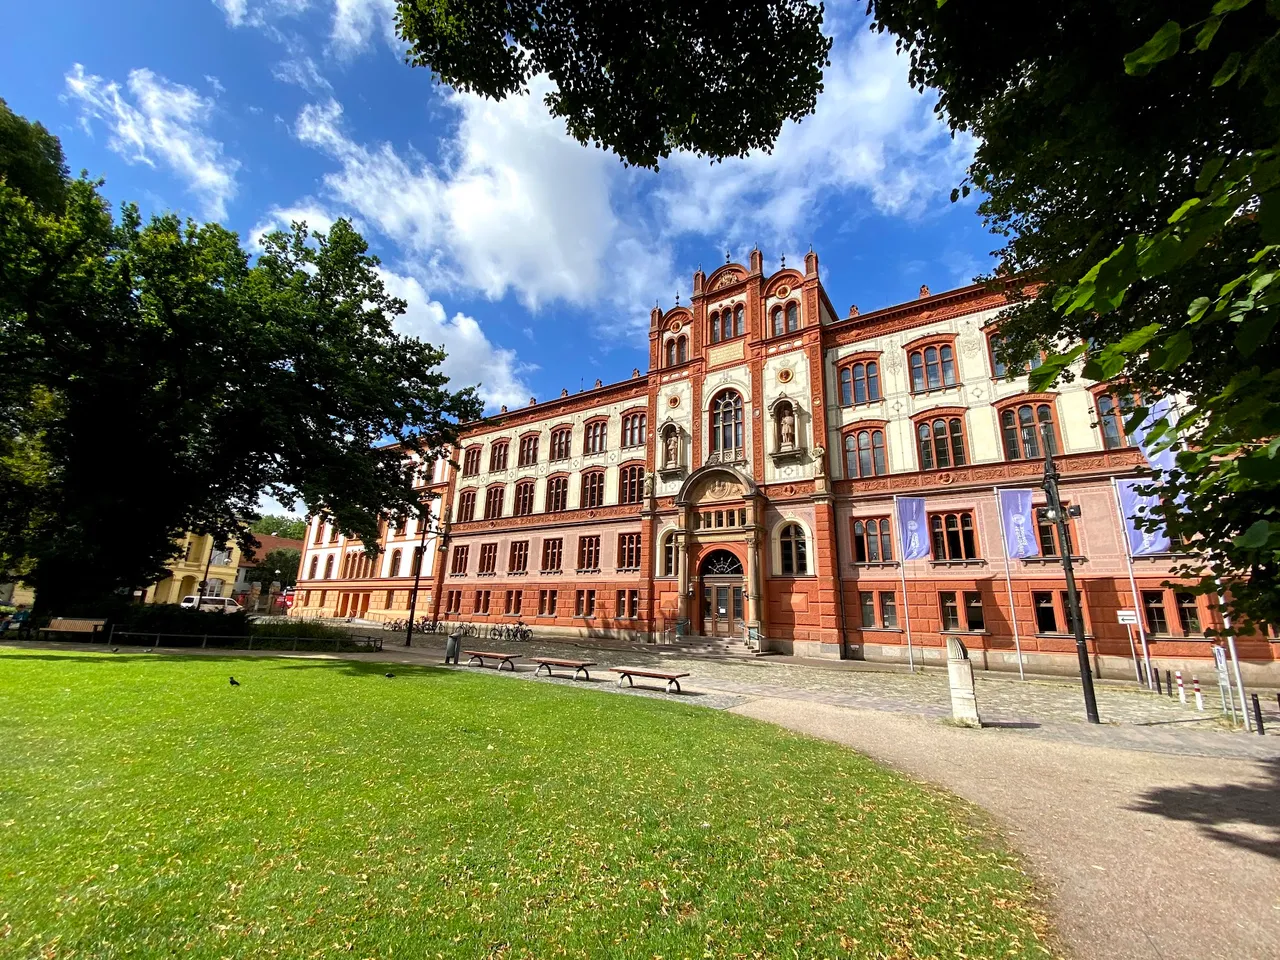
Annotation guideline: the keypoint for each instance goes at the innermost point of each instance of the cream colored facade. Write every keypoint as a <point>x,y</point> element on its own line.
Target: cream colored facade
<point>199,554</point>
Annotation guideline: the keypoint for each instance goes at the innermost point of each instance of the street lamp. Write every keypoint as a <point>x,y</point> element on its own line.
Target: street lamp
<point>1058,517</point>
<point>424,522</point>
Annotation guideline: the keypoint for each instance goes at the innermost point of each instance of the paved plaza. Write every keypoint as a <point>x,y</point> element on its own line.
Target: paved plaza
<point>1155,834</point>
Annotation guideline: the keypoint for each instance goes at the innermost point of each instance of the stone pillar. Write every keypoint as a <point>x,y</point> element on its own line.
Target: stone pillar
<point>755,596</point>
<point>682,563</point>
<point>964,698</point>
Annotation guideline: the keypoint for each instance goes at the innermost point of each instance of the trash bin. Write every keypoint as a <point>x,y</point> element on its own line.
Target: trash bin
<point>452,647</point>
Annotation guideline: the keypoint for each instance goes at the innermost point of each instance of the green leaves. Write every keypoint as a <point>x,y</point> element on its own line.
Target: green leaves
<point>1257,535</point>
<point>1160,47</point>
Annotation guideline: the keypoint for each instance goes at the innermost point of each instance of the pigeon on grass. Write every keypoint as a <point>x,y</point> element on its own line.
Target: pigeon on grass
<point>235,682</point>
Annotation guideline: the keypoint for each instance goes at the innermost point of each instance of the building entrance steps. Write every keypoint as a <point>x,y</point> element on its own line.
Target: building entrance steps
<point>701,646</point>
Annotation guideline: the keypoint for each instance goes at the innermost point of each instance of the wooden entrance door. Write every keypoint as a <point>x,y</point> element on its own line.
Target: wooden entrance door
<point>721,607</point>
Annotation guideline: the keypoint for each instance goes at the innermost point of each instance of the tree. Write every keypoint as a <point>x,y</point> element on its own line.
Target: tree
<point>285,560</point>
<point>1127,156</point>
<point>178,381</point>
<point>274,525</point>
<point>31,161</point>
<point>715,77</point>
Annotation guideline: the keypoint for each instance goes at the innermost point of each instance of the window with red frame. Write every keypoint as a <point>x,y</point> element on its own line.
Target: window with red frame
<point>1047,534</point>
<point>593,437</point>
<point>461,554</point>
<point>864,454</point>
<point>561,441</point>
<point>466,506</point>
<point>1112,413</point>
<point>932,368</point>
<point>631,484</point>
<point>1022,429</point>
<point>557,494</point>
<point>859,383</point>
<point>872,540</point>
<point>592,489</point>
<point>471,462</point>
<point>588,553</point>
<point>528,451</point>
<point>488,559</point>
<point>482,602</point>
<point>498,456</point>
<point>628,551</point>
<point>552,555</point>
<point>518,557</point>
<point>524,498</point>
<point>941,443</point>
<point>493,503</point>
<point>953,536</point>
<point>633,425</point>
<point>727,323</point>
<point>999,368</point>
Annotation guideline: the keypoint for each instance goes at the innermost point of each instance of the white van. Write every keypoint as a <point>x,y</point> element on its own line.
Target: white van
<point>215,604</point>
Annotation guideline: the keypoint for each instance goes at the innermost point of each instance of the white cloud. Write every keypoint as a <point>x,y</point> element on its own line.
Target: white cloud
<point>166,122</point>
<point>307,210</point>
<point>871,135</point>
<point>301,71</point>
<point>233,10</point>
<point>356,21</point>
<point>516,205</point>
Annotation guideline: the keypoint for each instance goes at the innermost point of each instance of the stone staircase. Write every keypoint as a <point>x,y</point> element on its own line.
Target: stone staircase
<point>710,647</point>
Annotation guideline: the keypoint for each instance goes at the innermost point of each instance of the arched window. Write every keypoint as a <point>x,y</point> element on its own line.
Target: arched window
<point>631,484</point>
<point>739,321</point>
<point>670,557</point>
<point>528,450</point>
<point>524,498</point>
<point>498,457</point>
<point>395,564</point>
<point>776,325</point>
<point>594,437</point>
<point>953,536</point>
<point>466,506</point>
<point>864,454</point>
<point>493,502</point>
<point>793,317</point>
<point>726,425</point>
<point>1112,414</point>
<point>315,566</point>
<point>860,383</point>
<point>682,350</point>
<point>941,443</point>
<point>633,427</point>
<point>715,327</point>
<point>592,489</point>
<point>328,568</point>
<point>1022,428</point>
<point>795,559</point>
<point>671,353</point>
<point>557,494</point>
<point>933,368</point>
<point>872,541</point>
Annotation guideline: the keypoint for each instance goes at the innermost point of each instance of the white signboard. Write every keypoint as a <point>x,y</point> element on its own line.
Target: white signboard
<point>1127,616</point>
<point>1220,661</point>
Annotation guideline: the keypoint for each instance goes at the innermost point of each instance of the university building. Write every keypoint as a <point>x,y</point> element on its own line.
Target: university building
<point>743,487</point>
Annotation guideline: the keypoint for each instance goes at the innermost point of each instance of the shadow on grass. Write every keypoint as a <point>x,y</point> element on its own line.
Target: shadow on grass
<point>280,660</point>
<point>1217,809</point>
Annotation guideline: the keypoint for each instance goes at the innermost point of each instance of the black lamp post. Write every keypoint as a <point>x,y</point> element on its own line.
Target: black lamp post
<point>1058,517</point>
<point>424,521</point>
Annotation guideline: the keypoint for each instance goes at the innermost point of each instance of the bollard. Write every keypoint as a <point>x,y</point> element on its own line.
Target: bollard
<point>1182,691</point>
<point>1195,684</point>
<point>1168,683</point>
<point>1158,688</point>
<point>1257,714</point>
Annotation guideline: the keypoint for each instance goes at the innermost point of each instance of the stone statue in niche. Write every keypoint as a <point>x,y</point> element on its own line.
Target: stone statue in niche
<point>787,428</point>
<point>671,447</point>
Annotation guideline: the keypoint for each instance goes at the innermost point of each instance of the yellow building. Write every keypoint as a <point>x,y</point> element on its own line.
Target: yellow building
<point>201,560</point>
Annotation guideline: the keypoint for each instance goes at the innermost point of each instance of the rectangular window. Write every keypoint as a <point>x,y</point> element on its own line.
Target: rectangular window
<point>888,609</point>
<point>1153,607</point>
<point>461,554</point>
<point>471,462</point>
<point>1188,614</point>
<point>552,552</point>
<point>518,559</point>
<point>488,559</point>
<point>557,494</point>
<point>629,551</point>
<point>867,603</point>
<point>585,605</point>
<point>633,425</point>
<point>524,498</point>
<point>528,451</point>
<point>633,604</point>
<point>493,502</point>
<point>1066,610</point>
<point>1046,615</point>
<point>872,541</point>
<point>512,606</point>
<point>592,490</point>
<point>950,610</point>
<point>588,553</point>
<point>498,457</point>
<point>453,601</point>
<point>953,537</point>
<point>546,603</point>
<point>594,437</point>
<point>973,617</point>
<point>482,602</point>
<point>631,484</point>
<point>466,506</point>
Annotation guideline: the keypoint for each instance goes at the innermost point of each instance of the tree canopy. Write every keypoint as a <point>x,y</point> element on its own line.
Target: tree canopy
<point>1127,155</point>
<point>285,560</point>
<point>158,381</point>
<point>277,525</point>
<point>713,77</point>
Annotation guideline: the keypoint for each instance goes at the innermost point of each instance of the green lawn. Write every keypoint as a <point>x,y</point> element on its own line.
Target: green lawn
<point>147,809</point>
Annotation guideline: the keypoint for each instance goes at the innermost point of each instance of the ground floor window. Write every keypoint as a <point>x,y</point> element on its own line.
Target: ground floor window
<point>546,603</point>
<point>878,609</point>
<point>628,604</point>
<point>482,601</point>
<point>585,603</point>
<point>1153,608</point>
<point>513,601</point>
<point>453,601</point>
<point>1053,611</point>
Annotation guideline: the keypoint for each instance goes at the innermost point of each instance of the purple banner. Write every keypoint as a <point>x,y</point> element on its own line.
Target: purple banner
<point>913,527</point>
<point>1019,519</point>
<point>1163,460</point>
<point>1135,506</point>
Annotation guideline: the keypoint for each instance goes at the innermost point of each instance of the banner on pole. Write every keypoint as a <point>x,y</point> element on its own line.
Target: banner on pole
<point>1163,459</point>
<point>1018,518</point>
<point>913,527</point>
<point>1136,506</point>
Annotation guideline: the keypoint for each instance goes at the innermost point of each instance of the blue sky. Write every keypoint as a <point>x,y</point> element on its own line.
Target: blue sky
<point>533,260</point>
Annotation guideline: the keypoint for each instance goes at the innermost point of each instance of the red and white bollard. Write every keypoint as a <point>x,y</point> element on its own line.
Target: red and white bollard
<point>1182,691</point>
<point>1195,686</point>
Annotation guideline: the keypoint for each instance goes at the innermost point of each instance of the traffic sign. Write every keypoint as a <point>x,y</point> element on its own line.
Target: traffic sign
<point>1127,616</point>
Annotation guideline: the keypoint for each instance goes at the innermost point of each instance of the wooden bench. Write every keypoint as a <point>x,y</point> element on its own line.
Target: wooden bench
<point>480,656</point>
<point>74,625</point>
<point>579,666</point>
<point>373,643</point>
<point>626,673</point>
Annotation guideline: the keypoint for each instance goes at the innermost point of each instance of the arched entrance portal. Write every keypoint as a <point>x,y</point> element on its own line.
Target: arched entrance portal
<point>723,589</point>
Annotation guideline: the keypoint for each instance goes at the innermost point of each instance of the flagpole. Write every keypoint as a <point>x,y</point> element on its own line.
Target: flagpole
<point>1133,584</point>
<point>1008,579</point>
<point>902,569</point>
